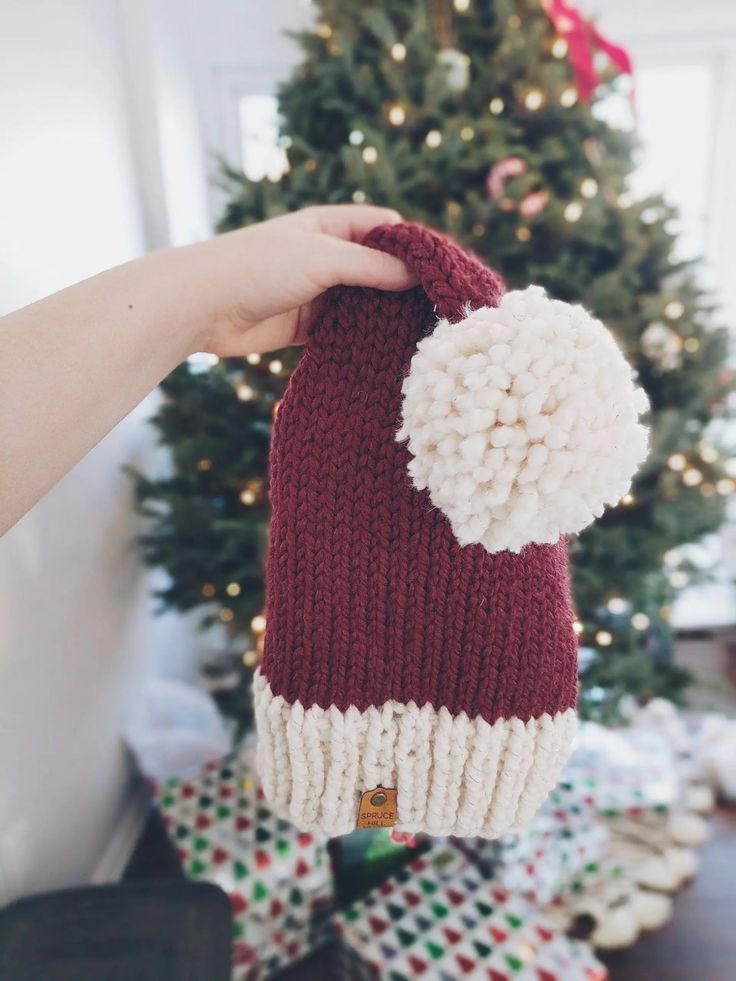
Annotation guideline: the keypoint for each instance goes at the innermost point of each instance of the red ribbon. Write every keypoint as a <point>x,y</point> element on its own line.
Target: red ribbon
<point>583,41</point>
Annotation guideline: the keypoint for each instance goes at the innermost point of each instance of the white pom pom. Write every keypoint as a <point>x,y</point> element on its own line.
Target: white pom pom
<point>652,909</point>
<point>522,421</point>
<point>618,928</point>
<point>687,829</point>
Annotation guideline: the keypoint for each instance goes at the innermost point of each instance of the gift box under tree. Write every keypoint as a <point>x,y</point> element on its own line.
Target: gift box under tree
<point>278,879</point>
<point>442,918</point>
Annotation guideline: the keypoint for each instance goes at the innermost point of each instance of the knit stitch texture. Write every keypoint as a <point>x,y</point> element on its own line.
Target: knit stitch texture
<point>371,601</point>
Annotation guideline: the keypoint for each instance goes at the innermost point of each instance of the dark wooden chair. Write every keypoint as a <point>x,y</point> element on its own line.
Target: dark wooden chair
<point>135,931</point>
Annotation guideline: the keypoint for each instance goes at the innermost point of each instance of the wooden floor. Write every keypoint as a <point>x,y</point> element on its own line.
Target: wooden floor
<point>699,943</point>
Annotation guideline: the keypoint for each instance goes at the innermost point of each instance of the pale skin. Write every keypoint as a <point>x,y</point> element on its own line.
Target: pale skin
<point>74,364</point>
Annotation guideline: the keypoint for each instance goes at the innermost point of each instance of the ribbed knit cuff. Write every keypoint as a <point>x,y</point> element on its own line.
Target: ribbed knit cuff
<point>453,774</point>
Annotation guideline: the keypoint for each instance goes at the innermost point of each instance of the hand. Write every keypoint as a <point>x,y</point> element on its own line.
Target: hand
<point>263,282</point>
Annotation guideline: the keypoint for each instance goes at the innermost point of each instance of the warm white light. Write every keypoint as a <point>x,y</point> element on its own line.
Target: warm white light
<point>627,499</point>
<point>433,138</point>
<point>640,621</point>
<point>725,486</point>
<point>356,137</point>
<point>568,97</point>
<point>649,216</point>
<point>578,627</point>
<point>253,359</point>
<point>462,5</point>
<point>692,477</point>
<point>467,133</point>
<point>533,100</point>
<point>603,638</point>
<point>679,579</point>
<point>247,497</point>
<point>677,461</point>
<point>397,115</point>
<point>244,392</point>
<point>559,48</point>
<point>496,106</point>
<point>258,624</point>
<point>674,309</point>
<point>359,197</point>
<point>370,155</point>
<point>275,366</point>
<point>398,51</point>
<point>589,187</point>
<point>691,344</point>
<point>573,211</point>
<point>233,589</point>
<point>617,604</point>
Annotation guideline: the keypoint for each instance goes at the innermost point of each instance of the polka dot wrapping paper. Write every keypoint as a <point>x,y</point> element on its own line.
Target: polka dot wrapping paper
<point>443,919</point>
<point>278,879</point>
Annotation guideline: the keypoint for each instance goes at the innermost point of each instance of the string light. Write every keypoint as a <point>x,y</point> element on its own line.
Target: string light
<point>275,366</point>
<point>573,211</point>
<point>208,590</point>
<point>204,465</point>
<point>310,165</point>
<point>678,461</point>
<point>250,658</point>
<point>625,200</point>
<point>514,21</point>
<point>433,138</point>
<point>453,208</point>
<point>627,500</point>
<point>370,155</point>
<point>617,604</point>
<point>568,97</point>
<point>496,106</point>
<point>691,344</point>
<point>253,358</point>
<point>356,137</point>
<point>244,392</point>
<point>359,197</point>
<point>640,621</point>
<point>397,115</point>
<point>649,216</point>
<point>258,624</point>
<point>603,638</point>
<point>679,579</point>
<point>523,233</point>
<point>323,30</point>
<point>233,589</point>
<point>478,229</point>
<point>725,486</point>
<point>672,557</point>
<point>398,51</point>
<point>247,496</point>
<point>708,453</point>
<point>462,6</point>
<point>674,309</point>
<point>533,100</point>
<point>578,627</point>
<point>708,490</point>
<point>467,133</point>
<point>730,466</point>
<point>559,48</point>
<point>226,615</point>
<point>692,477</point>
<point>589,187</point>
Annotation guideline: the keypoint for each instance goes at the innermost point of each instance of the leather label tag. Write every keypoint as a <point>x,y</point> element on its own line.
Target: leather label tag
<point>377,808</point>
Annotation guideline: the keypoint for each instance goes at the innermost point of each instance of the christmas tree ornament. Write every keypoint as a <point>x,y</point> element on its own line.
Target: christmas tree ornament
<point>500,172</point>
<point>457,66</point>
<point>420,663</point>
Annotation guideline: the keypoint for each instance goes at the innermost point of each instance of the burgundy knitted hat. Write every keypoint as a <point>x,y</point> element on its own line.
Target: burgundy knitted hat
<point>420,661</point>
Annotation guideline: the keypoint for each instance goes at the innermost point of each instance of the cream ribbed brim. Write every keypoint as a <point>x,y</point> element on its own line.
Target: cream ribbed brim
<point>454,775</point>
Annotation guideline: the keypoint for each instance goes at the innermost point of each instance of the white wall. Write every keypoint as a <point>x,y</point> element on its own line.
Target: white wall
<point>76,632</point>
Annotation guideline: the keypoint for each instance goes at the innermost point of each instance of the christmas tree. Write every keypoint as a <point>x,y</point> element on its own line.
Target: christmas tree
<point>479,117</point>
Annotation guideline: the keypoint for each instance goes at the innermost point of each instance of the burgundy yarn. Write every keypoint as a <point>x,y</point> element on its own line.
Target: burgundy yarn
<point>369,596</point>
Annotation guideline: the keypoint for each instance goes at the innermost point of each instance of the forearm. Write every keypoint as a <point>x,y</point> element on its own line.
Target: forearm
<point>74,364</point>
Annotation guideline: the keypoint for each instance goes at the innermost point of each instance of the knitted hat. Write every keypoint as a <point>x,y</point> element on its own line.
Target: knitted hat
<point>420,663</point>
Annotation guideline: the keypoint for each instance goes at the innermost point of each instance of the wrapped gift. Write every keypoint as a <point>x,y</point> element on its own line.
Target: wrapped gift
<point>278,879</point>
<point>441,918</point>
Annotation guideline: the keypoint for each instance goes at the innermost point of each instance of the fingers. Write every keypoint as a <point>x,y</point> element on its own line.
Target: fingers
<point>349,264</point>
<point>350,222</point>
